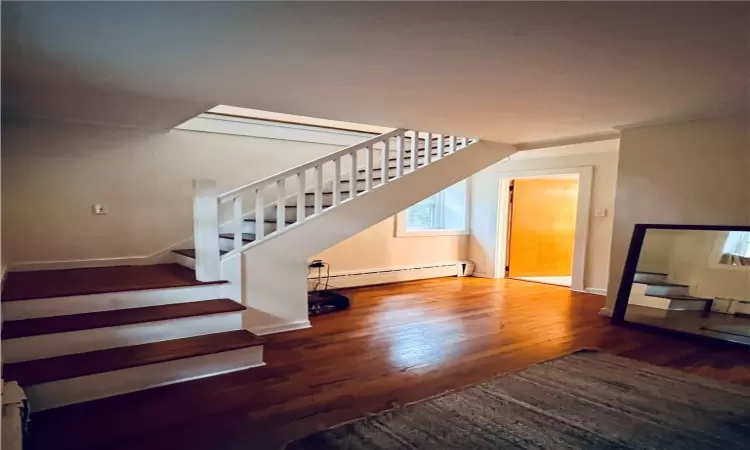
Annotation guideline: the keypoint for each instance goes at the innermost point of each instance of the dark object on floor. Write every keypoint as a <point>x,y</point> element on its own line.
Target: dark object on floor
<point>324,302</point>
<point>584,400</point>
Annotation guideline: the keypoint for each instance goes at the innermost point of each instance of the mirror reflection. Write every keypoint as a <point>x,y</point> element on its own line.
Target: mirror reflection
<point>695,281</point>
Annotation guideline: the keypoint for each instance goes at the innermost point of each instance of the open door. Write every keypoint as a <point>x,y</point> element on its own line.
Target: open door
<point>542,229</point>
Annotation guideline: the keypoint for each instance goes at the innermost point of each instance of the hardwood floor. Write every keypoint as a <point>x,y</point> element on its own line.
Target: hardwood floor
<point>398,344</point>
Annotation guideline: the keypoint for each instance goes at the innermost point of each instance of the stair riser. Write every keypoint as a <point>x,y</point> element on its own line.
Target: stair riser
<point>327,198</point>
<point>666,303</point>
<point>667,290</point>
<point>249,227</point>
<point>60,306</point>
<point>46,346</point>
<point>649,278</point>
<point>91,387</point>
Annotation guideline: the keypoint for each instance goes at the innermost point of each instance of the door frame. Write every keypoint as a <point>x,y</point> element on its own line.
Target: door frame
<point>583,214</point>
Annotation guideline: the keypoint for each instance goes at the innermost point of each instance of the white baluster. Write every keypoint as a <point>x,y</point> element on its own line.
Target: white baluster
<point>280,205</point>
<point>428,149</point>
<point>318,188</point>
<point>384,172</point>
<point>440,145</point>
<point>415,150</point>
<point>206,231</point>
<point>353,175</point>
<point>301,202</point>
<point>399,155</point>
<point>452,147</point>
<point>464,141</point>
<point>336,181</point>
<point>237,220</point>
<point>260,214</point>
<point>368,168</point>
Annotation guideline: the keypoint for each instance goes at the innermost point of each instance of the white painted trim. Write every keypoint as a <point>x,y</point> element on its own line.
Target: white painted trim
<point>369,277</point>
<point>268,129</point>
<point>57,344</point>
<point>108,384</point>
<point>310,121</point>
<point>606,312</point>
<point>77,304</point>
<point>596,291</point>
<point>568,141</point>
<point>583,212</point>
<point>281,328</point>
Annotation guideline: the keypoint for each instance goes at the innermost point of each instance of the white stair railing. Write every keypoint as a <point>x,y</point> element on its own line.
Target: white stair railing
<point>274,188</point>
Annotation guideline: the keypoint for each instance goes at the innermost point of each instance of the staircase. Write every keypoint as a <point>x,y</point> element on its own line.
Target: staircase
<point>652,290</point>
<point>83,335</point>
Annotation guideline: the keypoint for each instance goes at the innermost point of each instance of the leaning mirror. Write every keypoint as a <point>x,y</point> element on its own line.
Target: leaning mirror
<point>691,280</point>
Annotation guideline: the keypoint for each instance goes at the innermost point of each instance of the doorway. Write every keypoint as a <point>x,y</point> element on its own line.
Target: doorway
<point>542,214</point>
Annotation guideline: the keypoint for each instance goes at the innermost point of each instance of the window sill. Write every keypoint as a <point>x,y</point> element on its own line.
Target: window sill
<point>430,233</point>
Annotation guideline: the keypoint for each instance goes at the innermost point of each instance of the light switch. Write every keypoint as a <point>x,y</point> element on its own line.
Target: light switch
<point>99,209</point>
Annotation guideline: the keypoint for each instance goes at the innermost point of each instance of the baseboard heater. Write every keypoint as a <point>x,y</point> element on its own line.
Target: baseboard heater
<point>369,277</point>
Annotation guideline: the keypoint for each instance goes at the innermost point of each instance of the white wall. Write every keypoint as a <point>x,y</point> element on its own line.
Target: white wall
<point>485,187</point>
<point>377,248</point>
<point>693,172</point>
<point>53,172</point>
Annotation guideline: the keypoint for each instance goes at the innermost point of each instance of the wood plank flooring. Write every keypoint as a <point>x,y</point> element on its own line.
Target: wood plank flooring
<point>398,344</point>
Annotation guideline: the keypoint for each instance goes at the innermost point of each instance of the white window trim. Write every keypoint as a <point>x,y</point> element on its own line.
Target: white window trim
<point>401,220</point>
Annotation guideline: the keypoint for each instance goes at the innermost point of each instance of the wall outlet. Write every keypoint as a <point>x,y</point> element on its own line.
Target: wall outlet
<point>99,210</point>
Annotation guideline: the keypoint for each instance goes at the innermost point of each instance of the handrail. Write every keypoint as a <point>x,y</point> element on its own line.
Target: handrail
<point>310,164</point>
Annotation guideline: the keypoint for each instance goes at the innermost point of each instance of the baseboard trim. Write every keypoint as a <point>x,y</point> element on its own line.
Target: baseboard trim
<point>596,291</point>
<point>606,312</point>
<point>281,328</point>
<point>371,277</point>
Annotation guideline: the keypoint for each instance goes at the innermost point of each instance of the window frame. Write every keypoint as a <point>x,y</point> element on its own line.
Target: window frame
<point>716,253</point>
<point>402,219</point>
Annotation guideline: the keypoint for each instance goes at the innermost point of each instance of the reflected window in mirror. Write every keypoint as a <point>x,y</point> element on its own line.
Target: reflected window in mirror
<point>690,281</point>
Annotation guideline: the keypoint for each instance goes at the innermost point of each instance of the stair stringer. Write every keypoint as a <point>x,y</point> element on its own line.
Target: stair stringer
<point>274,272</point>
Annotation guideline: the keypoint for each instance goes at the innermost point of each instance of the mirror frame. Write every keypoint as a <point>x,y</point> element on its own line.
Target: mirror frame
<point>628,273</point>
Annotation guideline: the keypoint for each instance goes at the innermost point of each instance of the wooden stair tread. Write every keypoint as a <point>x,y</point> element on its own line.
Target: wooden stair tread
<point>661,283</point>
<point>270,220</point>
<point>81,364</point>
<point>682,297</point>
<point>246,237</point>
<point>190,252</point>
<point>86,321</point>
<point>97,280</point>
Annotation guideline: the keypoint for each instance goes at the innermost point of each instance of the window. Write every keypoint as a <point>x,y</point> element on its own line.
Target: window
<point>736,249</point>
<point>444,213</point>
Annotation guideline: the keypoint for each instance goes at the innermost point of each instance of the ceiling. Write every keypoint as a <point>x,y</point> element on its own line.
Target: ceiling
<point>511,72</point>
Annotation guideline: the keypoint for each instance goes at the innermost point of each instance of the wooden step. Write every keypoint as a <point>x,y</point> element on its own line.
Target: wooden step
<point>97,280</point>
<point>661,283</point>
<point>270,220</point>
<point>190,252</point>
<point>683,297</point>
<point>246,237</point>
<point>76,322</point>
<point>38,371</point>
